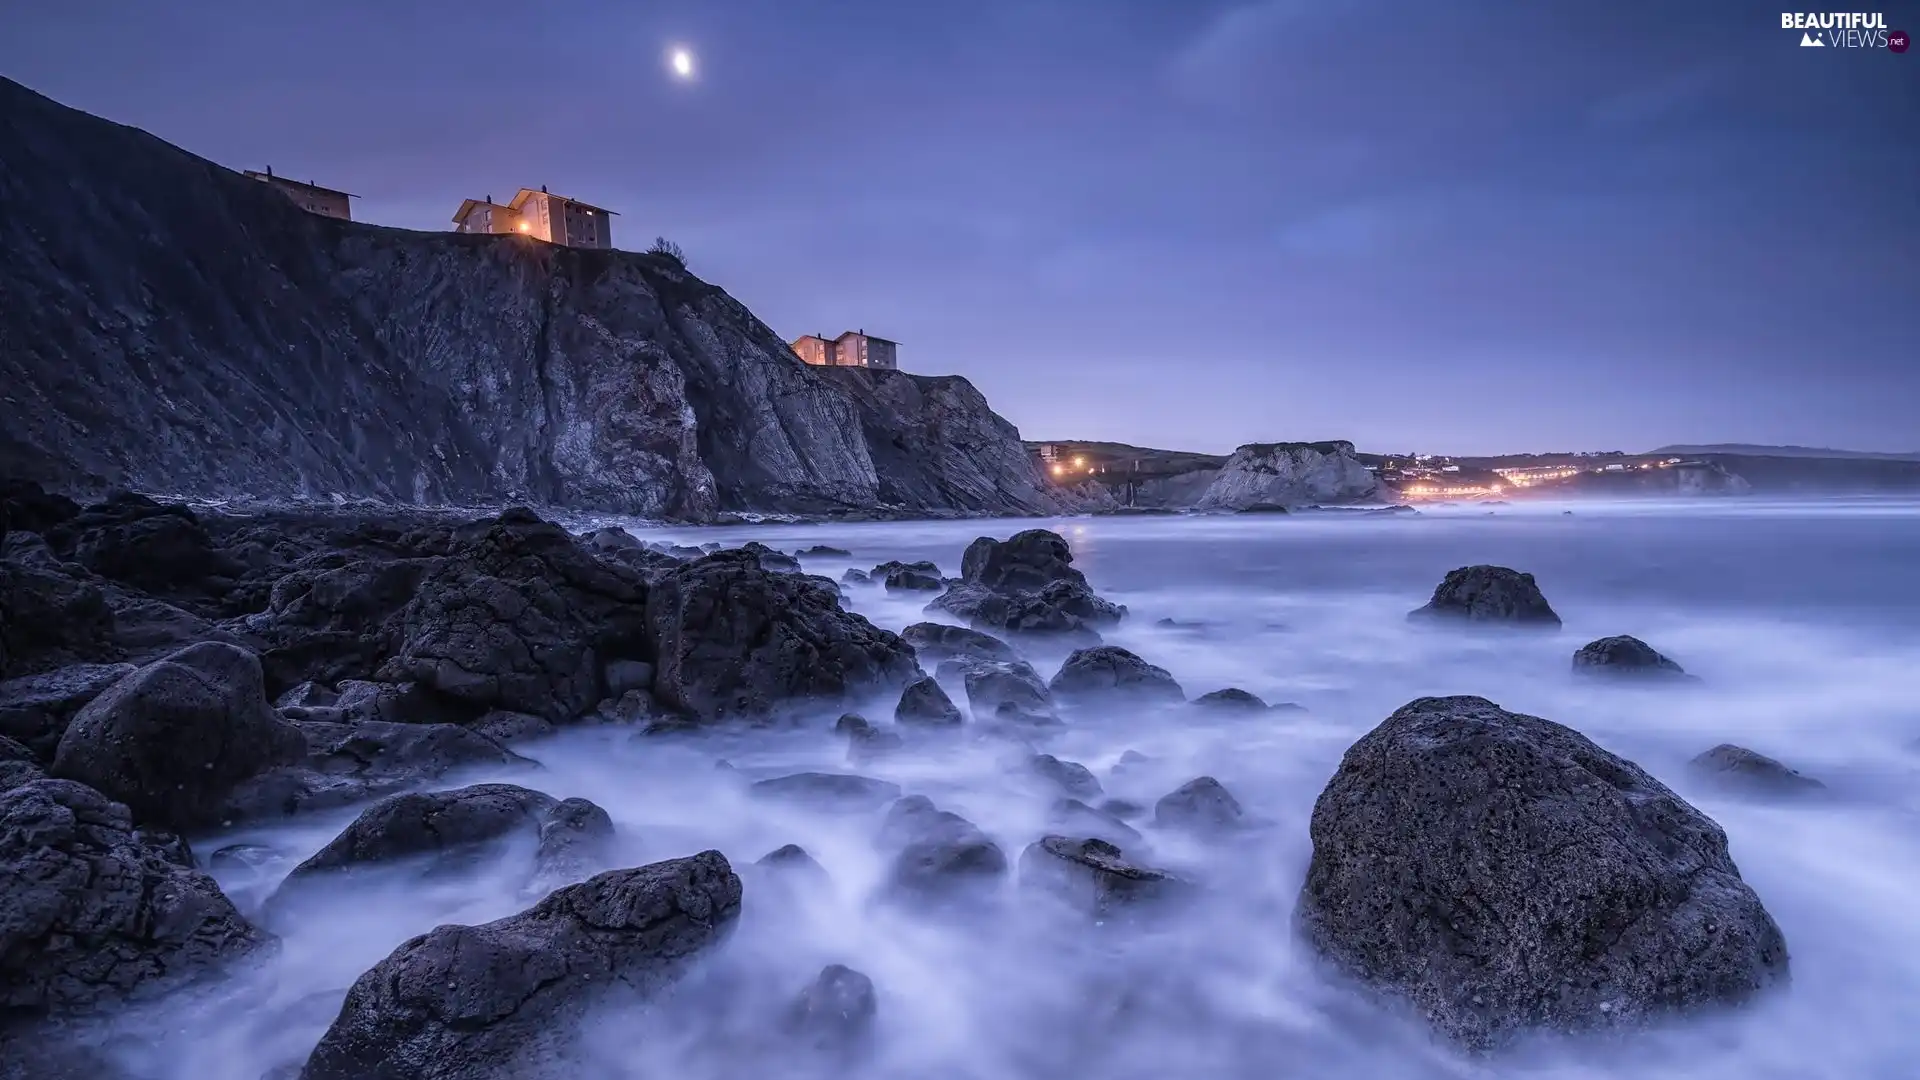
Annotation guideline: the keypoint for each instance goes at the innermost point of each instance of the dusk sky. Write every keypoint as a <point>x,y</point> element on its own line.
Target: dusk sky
<point>1456,227</point>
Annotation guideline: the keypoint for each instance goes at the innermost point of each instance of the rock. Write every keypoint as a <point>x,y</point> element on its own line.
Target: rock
<point>611,539</point>
<point>1093,876</point>
<point>1202,805</point>
<point>174,738</point>
<point>1739,769</point>
<point>853,726</point>
<point>1070,776</point>
<point>1623,656</point>
<point>1231,700</point>
<point>1502,872</point>
<point>1111,673</point>
<point>1273,476</point>
<point>1123,809</point>
<point>49,619</point>
<point>1488,594</point>
<point>522,619</point>
<point>245,857</point>
<point>36,709</point>
<point>773,562</point>
<point>993,687</point>
<point>503,1000</point>
<point>828,791</point>
<point>27,507</point>
<point>336,618</point>
<point>1027,584</point>
<point>792,861</point>
<point>938,856</point>
<point>823,551</point>
<point>864,747</point>
<point>18,765</point>
<point>503,726</point>
<point>576,839</point>
<point>834,1015</point>
<point>92,912</point>
<point>922,576</point>
<point>924,703</point>
<point>1131,761</point>
<point>735,641</point>
<point>939,641</point>
<point>623,676</point>
<point>855,577</point>
<point>163,549</point>
<point>350,763</point>
<point>430,823</point>
<point>1071,817</point>
<point>308,695</point>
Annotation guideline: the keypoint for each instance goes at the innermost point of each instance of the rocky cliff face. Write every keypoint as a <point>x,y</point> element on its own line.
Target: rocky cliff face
<point>1289,474</point>
<point>172,326</point>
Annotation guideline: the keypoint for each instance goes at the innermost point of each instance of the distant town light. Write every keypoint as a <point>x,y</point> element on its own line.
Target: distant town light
<point>1079,462</point>
<point>524,227</point>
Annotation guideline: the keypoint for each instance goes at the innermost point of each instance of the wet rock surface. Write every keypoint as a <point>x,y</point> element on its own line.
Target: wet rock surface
<point>940,641</point>
<point>938,856</point>
<point>834,1015</point>
<point>1109,673</point>
<point>1493,595</point>
<point>924,703</point>
<point>1202,806</point>
<point>1501,872</point>
<point>1743,771</point>
<point>1626,657</point>
<point>503,999</point>
<point>1231,700</point>
<point>1094,876</point>
<point>431,823</point>
<point>1027,585</point>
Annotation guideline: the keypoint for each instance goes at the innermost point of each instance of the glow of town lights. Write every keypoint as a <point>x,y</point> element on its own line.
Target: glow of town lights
<point>682,63</point>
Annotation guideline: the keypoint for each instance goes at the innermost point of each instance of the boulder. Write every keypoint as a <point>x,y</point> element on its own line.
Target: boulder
<point>1027,584</point>
<point>27,507</point>
<point>1093,876</point>
<point>940,641</point>
<point>1026,561</point>
<point>865,746</point>
<point>161,549</point>
<point>923,576</point>
<point>828,791</point>
<point>1202,805</point>
<point>1069,776</point>
<point>1269,477</point>
<point>1624,656</point>
<point>823,551</point>
<point>768,559</point>
<point>174,738</point>
<point>855,577</point>
<point>351,763</point>
<point>50,619</point>
<point>430,823</point>
<point>792,862</point>
<point>735,641</point>
<point>1111,673</point>
<point>852,726</point>
<point>624,676</point>
<point>834,1015</point>
<point>503,1000</point>
<point>1071,817</point>
<point>336,617</point>
<point>923,703</point>
<point>938,856</point>
<point>1743,771</point>
<point>1501,872</point>
<point>522,619</point>
<point>576,839</point>
<point>1488,594</point>
<point>18,765</point>
<point>1231,700</point>
<point>93,911</point>
<point>997,686</point>
<point>35,709</point>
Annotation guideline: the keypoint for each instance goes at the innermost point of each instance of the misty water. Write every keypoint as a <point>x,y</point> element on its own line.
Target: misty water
<point>1800,619</point>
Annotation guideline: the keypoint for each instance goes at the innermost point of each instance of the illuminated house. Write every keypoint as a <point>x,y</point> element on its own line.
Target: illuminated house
<point>855,348</point>
<point>309,197</point>
<point>541,215</point>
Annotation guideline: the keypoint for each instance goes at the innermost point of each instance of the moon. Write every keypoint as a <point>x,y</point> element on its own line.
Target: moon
<point>681,61</point>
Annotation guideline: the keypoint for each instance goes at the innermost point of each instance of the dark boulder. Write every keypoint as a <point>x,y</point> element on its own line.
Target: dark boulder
<point>1502,872</point>
<point>27,507</point>
<point>1488,594</point>
<point>37,708</point>
<point>93,912</point>
<point>1069,776</point>
<point>1026,561</point>
<point>1027,584</point>
<point>611,539</point>
<point>1231,700</point>
<point>1093,876</point>
<point>1202,805</point>
<point>18,765</point>
<point>855,577</point>
<point>161,549</point>
<point>831,791</point>
<point>994,686</point>
<point>922,576</point>
<point>792,861</point>
<point>430,823</point>
<point>852,726</point>
<point>336,617</point>
<point>351,763</point>
<point>1071,817</point>
<point>576,840</point>
<point>523,619</point>
<point>938,856</point>
<point>923,703</point>
<point>503,1000</point>
<point>51,619</point>
<point>1743,771</point>
<point>174,738</point>
<point>940,641</point>
<point>834,1015</point>
<point>865,746</point>
<point>1111,673</point>
<point>735,641</point>
<point>823,551</point>
<point>1624,656</point>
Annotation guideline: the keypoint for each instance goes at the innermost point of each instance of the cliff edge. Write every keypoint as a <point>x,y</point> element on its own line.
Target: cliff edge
<point>171,326</point>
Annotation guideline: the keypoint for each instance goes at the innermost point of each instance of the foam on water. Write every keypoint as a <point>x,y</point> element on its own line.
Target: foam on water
<point>1801,619</point>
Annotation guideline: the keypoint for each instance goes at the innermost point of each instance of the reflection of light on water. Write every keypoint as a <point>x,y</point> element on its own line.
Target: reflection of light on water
<point>1308,608</point>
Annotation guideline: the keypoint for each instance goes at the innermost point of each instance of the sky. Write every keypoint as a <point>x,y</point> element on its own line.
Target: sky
<point>1463,227</point>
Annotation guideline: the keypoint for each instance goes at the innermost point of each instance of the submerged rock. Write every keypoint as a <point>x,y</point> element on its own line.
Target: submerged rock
<point>1070,776</point>
<point>1202,805</point>
<point>940,641</point>
<point>922,576</point>
<point>834,791</point>
<point>938,855</point>
<point>174,738</point>
<point>576,838</point>
<point>834,1015</point>
<point>1624,656</point>
<point>923,702</point>
<point>1110,673</point>
<point>1739,769</point>
<point>350,763</point>
<point>1071,817</point>
<point>431,823</point>
<point>1488,594</point>
<point>1231,700</point>
<point>502,1001</point>
<point>1093,875</point>
<point>1502,872</point>
<point>997,687</point>
<point>823,551</point>
<point>93,912</point>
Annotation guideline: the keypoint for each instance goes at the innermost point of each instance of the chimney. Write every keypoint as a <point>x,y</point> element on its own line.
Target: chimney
<point>489,200</point>
<point>543,189</point>
<point>269,172</point>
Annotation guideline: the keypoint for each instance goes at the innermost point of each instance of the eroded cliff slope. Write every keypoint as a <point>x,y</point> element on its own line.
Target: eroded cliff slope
<point>172,326</point>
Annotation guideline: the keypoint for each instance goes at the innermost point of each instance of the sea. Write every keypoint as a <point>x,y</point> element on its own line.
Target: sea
<point>1801,619</point>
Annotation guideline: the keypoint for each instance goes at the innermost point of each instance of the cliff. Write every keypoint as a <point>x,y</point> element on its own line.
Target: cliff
<point>1289,474</point>
<point>171,326</point>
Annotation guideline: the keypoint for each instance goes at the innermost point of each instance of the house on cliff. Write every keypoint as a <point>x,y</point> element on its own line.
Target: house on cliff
<point>542,215</point>
<point>855,348</point>
<point>309,197</point>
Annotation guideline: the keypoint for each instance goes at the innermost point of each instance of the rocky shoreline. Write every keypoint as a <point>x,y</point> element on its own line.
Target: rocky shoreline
<point>165,671</point>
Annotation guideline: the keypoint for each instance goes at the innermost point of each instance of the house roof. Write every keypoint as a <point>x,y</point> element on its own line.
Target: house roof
<point>864,334</point>
<point>272,179</point>
<point>526,193</point>
<point>467,205</point>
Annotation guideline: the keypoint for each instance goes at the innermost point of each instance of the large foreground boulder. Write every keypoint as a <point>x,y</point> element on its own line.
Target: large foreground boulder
<point>1107,673</point>
<point>1501,872</point>
<point>1027,585</point>
<point>431,823</point>
<point>1488,594</point>
<point>1625,656</point>
<point>174,738</point>
<point>503,1000</point>
<point>93,911</point>
<point>733,640</point>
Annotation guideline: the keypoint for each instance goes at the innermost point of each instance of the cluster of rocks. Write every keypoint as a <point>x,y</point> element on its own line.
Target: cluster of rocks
<point>1027,584</point>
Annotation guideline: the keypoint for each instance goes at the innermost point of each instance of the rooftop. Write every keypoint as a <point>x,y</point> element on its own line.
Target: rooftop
<point>268,175</point>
